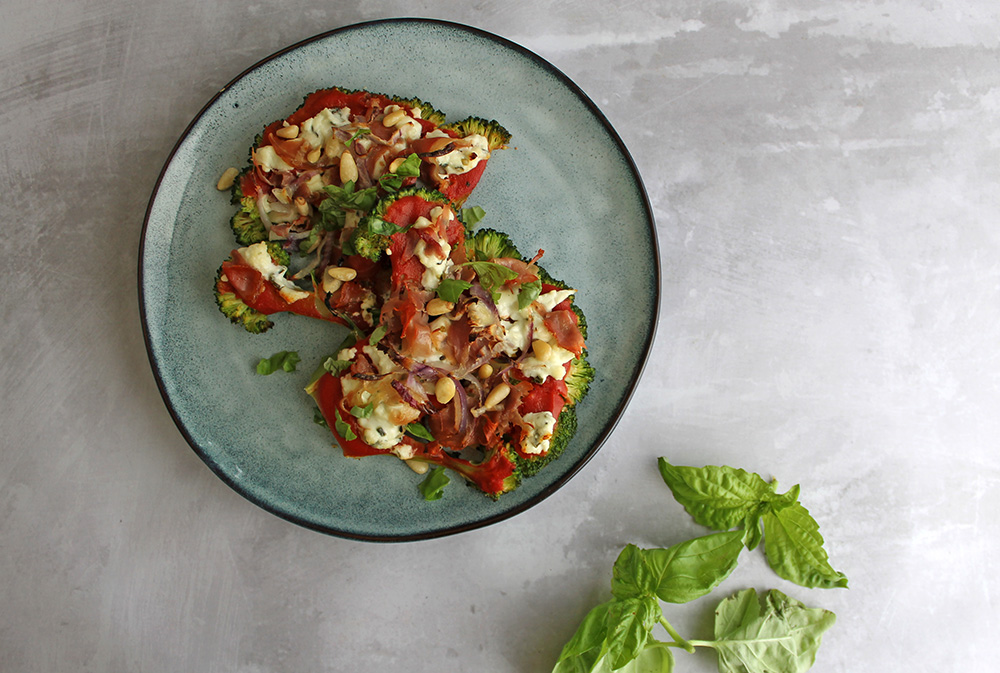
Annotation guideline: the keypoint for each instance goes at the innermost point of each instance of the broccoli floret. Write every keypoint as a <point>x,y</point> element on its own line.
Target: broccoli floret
<point>427,110</point>
<point>246,223</point>
<point>235,309</point>
<point>496,135</point>
<point>372,235</point>
<point>579,378</point>
<point>487,244</point>
<point>239,313</point>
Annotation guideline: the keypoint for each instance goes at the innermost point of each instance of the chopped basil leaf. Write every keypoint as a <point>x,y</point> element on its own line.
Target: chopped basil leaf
<point>377,334</point>
<point>363,412</point>
<point>357,134</point>
<point>286,360</point>
<point>319,420</point>
<point>420,432</point>
<point>451,289</point>
<point>343,429</point>
<point>492,275</point>
<point>529,293</point>
<point>410,168</point>
<point>432,487</point>
<point>472,216</point>
<point>377,225</point>
<point>335,366</point>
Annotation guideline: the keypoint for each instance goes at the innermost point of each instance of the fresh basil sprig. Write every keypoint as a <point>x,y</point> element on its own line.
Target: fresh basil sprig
<point>722,498</point>
<point>779,634</point>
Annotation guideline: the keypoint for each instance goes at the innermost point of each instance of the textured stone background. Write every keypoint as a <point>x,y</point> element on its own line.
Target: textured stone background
<point>824,178</point>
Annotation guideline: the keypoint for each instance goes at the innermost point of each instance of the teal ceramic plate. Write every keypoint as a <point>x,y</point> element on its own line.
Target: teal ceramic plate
<point>566,185</point>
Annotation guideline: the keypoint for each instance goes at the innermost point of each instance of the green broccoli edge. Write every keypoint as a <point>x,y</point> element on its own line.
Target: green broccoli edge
<point>496,135</point>
<point>371,244</point>
<point>236,310</point>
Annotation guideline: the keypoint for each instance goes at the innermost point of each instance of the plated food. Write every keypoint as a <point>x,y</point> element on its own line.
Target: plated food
<point>462,352</point>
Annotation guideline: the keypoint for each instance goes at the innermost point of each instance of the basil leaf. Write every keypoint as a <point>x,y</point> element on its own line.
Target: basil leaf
<point>363,412</point>
<point>630,622</point>
<point>379,226</point>
<point>343,428</point>
<point>432,487</point>
<point>585,647</point>
<point>377,334</point>
<point>794,549</point>
<point>529,293</point>
<point>719,498</point>
<point>318,419</point>
<point>419,431</point>
<point>363,131</point>
<point>782,635</point>
<point>472,216</point>
<point>491,275</point>
<point>335,366</point>
<point>678,574</point>
<point>284,360</point>
<point>451,289</point>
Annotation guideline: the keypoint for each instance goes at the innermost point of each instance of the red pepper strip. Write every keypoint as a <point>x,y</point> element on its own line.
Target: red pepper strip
<point>255,291</point>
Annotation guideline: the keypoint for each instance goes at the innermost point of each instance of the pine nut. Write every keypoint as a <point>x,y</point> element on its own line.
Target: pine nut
<point>301,205</point>
<point>288,132</point>
<point>541,349</point>
<point>281,194</point>
<point>418,466</point>
<point>348,168</point>
<point>438,306</point>
<point>444,389</point>
<point>227,179</point>
<point>341,273</point>
<point>331,285</point>
<point>396,163</point>
<point>393,118</point>
<point>486,371</point>
<point>496,396</point>
<point>313,157</point>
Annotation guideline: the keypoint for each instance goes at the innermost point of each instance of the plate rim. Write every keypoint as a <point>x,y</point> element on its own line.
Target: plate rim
<point>605,431</point>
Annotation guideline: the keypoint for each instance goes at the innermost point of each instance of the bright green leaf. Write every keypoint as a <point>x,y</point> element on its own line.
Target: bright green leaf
<point>680,573</point>
<point>451,289</point>
<point>472,216</point>
<point>716,497</point>
<point>283,360</point>
<point>630,622</point>
<point>343,428</point>
<point>529,293</point>
<point>419,431</point>
<point>363,412</point>
<point>794,549</point>
<point>432,487</point>
<point>585,647</point>
<point>782,635</point>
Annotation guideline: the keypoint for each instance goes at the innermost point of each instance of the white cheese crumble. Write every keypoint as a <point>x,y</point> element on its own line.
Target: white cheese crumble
<point>268,160</point>
<point>542,425</point>
<point>466,157</point>
<point>259,258</point>
<point>435,265</point>
<point>318,130</point>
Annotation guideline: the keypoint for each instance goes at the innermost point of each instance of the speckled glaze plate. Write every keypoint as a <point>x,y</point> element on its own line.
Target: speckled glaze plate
<point>566,185</point>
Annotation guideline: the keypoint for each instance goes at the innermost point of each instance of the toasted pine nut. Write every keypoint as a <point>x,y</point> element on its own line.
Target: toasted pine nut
<point>301,205</point>
<point>281,194</point>
<point>393,117</point>
<point>348,168</point>
<point>418,466</point>
<point>314,155</point>
<point>486,371</point>
<point>342,273</point>
<point>438,306</point>
<point>444,389</point>
<point>396,163</point>
<point>227,179</point>
<point>331,285</point>
<point>541,349</point>
<point>288,132</point>
<point>496,396</point>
